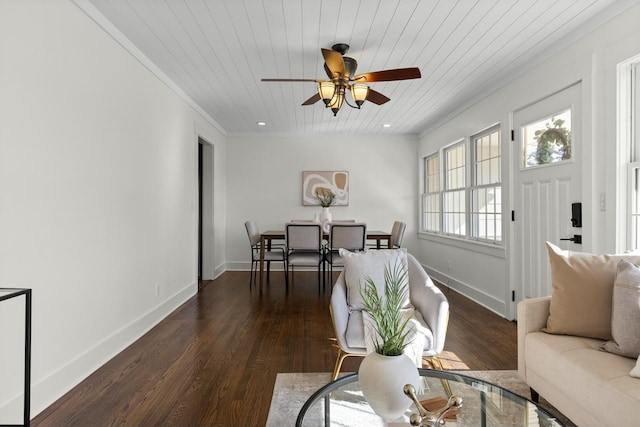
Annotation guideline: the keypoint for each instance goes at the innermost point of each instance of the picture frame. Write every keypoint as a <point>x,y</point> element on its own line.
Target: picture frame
<point>322,181</point>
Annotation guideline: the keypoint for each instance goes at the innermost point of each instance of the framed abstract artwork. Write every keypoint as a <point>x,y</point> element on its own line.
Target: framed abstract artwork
<point>314,182</point>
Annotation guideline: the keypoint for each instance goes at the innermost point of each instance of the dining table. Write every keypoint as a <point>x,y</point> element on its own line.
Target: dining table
<point>268,236</point>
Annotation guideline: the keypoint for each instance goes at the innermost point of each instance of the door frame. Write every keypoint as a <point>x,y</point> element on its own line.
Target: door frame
<point>514,169</point>
<point>204,259</point>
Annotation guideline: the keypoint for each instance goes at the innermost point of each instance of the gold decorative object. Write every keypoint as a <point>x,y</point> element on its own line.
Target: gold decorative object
<point>427,418</point>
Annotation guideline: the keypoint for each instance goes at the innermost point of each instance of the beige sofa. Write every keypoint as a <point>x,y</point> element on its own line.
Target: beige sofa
<point>590,386</point>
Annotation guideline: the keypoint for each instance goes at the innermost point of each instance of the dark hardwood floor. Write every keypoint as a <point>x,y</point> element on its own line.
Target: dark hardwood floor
<point>213,362</point>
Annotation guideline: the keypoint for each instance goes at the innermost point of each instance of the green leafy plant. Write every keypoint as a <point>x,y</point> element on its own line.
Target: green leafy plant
<point>386,310</point>
<point>325,196</point>
<point>553,143</point>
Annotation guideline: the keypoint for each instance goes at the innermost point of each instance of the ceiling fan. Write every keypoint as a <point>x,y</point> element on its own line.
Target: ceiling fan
<point>341,71</point>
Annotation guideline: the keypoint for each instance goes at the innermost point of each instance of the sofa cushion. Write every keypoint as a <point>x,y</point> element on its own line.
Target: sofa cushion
<point>360,265</point>
<point>625,321</point>
<point>582,292</point>
<point>579,379</point>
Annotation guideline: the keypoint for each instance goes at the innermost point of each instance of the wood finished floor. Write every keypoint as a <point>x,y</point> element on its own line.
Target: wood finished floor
<point>213,362</point>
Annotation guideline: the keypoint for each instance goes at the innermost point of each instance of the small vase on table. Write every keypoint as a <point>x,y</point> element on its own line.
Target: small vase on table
<point>326,215</point>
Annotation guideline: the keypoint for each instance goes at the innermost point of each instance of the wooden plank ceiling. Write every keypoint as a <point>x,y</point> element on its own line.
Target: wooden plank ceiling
<point>217,51</point>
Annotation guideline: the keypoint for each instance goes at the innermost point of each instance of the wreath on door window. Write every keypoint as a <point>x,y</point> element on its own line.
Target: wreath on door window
<point>553,143</point>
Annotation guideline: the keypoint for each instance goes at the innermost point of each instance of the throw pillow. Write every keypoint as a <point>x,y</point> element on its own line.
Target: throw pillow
<point>582,292</point>
<point>360,265</point>
<point>625,320</point>
<point>635,372</point>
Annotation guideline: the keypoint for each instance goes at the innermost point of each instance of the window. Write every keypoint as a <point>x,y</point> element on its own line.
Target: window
<point>454,197</point>
<point>431,196</point>
<point>634,204</point>
<point>486,192</point>
<point>633,199</point>
<point>548,140</point>
<point>628,118</point>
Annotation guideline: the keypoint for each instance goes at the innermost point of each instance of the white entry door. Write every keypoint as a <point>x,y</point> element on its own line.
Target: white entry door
<point>547,152</point>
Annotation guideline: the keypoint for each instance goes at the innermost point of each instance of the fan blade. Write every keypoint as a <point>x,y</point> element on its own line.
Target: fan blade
<point>389,75</point>
<point>291,80</point>
<point>334,64</point>
<point>315,98</point>
<point>376,97</point>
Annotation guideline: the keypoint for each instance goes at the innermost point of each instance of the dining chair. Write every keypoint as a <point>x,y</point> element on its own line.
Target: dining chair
<point>347,235</point>
<point>271,253</point>
<point>397,233</point>
<point>303,241</point>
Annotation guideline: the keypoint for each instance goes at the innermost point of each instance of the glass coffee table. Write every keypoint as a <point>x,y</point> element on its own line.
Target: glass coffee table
<point>340,403</point>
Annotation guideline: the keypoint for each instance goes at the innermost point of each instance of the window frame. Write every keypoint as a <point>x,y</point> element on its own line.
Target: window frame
<point>628,141</point>
<point>475,188</point>
<point>633,214</point>
<point>450,194</point>
<point>633,195</point>
<point>470,184</point>
<point>430,194</point>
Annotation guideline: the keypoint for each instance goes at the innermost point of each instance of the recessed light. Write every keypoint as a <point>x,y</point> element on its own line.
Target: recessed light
<point>261,123</point>
<point>386,125</point>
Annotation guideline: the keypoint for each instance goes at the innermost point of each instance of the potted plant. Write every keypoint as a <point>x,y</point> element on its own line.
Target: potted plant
<point>326,197</point>
<point>384,372</point>
<point>386,310</point>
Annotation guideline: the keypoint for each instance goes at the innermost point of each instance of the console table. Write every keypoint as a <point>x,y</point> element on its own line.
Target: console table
<point>6,294</point>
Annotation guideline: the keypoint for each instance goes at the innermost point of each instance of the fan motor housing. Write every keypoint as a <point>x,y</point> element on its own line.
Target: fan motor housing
<point>350,66</point>
<point>341,48</point>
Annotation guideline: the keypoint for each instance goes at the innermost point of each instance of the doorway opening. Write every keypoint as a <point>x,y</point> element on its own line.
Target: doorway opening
<point>205,257</point>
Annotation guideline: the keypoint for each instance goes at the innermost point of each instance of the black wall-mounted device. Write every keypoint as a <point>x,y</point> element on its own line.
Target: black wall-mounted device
<point>576,215</point>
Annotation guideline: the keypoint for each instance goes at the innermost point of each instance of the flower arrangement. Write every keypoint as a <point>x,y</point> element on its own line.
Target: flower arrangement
<point>386,311</point>
<point>326,197</point>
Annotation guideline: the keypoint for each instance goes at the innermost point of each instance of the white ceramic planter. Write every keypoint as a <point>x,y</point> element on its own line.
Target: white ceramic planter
<point>382,379</point>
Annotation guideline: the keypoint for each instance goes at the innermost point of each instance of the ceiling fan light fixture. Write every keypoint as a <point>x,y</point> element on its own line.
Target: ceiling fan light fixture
<point>341,72</point>
<point>359,91</point>
<point>326,90</point>
<point>336,101</point>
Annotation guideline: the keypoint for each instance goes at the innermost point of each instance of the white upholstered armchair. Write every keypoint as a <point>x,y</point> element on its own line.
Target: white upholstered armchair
<point>426,299</point>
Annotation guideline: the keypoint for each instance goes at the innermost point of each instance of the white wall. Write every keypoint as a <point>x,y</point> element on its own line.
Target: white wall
<point>264,183</point>
<point>97,196</point>
<point>592,60</point>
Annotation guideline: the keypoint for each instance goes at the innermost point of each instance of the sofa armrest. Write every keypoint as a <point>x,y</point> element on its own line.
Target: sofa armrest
<point>339,310</point>
<point>532,317</point>
<point>429,300</point>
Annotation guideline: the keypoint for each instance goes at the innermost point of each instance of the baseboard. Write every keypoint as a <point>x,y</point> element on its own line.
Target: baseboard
<point>218,272</point>
<point>55,385</point>
<point>487,301</point>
